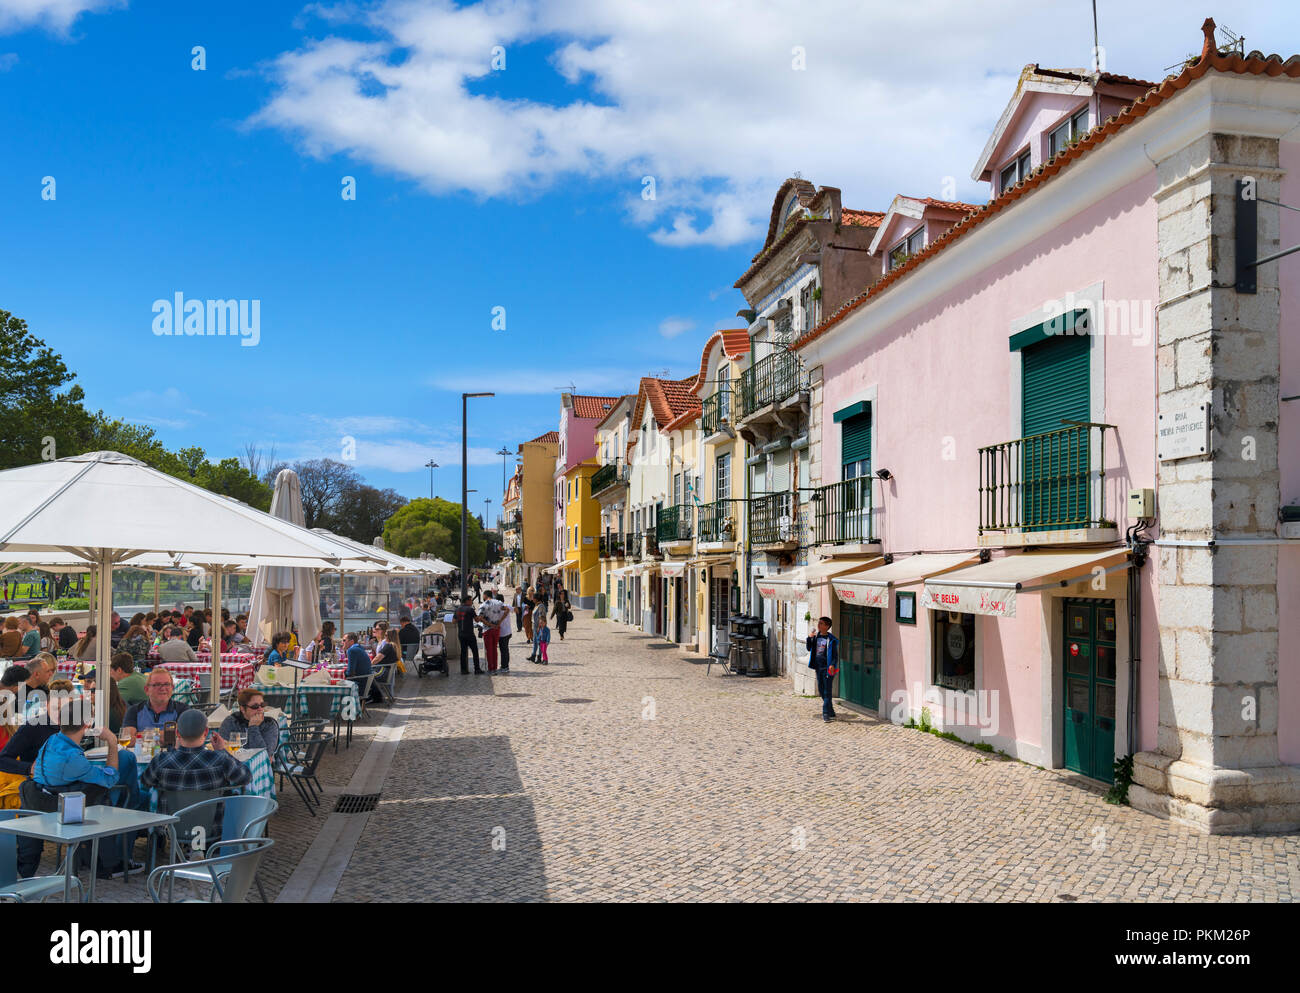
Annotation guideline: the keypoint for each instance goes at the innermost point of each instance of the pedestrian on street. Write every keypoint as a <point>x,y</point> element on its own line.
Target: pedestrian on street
<point>539,622</point>
<point>561,613</point>
<point>464,620</point>
<point>491,613</point>
<point>526,615</point>
<point>543,642</point>
<point>824,657</point>
<point>505,631</point>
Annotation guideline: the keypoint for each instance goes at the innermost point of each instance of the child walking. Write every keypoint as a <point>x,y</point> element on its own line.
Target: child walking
<point>543,640</point>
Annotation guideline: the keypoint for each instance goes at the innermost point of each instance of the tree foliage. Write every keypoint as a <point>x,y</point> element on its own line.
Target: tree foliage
<point>433,526</point>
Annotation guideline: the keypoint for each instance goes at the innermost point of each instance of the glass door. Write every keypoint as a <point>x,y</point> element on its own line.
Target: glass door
<point>1089,664</point>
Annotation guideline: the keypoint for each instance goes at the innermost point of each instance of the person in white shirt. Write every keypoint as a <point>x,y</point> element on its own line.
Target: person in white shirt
<point>507,629</point>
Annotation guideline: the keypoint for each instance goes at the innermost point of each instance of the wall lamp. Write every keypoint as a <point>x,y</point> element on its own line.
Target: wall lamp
<point>884,474</point>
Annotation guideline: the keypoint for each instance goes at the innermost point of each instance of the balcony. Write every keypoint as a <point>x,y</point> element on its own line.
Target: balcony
<point>608,476</point>
<point>843,513</point>
<point>635,545</point>
<point>611,546</point>
<point>514,522</point>
<point>719,521</point>
<point>1047,488</point>
<point>771,380</point>
<point>674,524</point>
<point>716,415</point>
<point>772,521</point>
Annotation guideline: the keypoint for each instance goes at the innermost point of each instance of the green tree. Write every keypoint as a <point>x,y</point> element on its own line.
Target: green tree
<point>44,417</point>
<point>362,510</point>
<point>433,526</point>
<point>229,478</point>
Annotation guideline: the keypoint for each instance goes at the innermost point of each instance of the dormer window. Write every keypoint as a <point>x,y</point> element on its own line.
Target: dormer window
<point>906,248</point>
<point>1014,172</point>
<point>1068,133</point>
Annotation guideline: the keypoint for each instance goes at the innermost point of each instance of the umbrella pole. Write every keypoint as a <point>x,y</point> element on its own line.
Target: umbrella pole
<point>91,602</point>
<point>104,599</point>
<point>214,688</point>
<point>342,627</point>
<point>155,592</point>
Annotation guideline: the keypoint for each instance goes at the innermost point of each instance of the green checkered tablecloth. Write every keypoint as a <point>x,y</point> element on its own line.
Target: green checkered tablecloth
<point>186,691</point>
<point>259,764</point>
<point>345,696</point>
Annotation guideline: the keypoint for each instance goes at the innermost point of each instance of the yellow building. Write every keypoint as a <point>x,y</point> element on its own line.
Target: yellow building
<point>582,521</point>
<point>536,505</point>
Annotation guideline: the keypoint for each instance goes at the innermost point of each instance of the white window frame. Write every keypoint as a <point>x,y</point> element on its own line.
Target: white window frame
<point>1072,127</point>
<point>1019,167</point>
<point>912,243</point>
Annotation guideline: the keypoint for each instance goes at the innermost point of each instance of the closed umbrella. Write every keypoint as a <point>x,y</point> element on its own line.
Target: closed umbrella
<point>284,594</point>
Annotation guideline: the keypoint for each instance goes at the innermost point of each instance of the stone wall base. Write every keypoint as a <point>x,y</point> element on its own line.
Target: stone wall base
<point>1215,800</point>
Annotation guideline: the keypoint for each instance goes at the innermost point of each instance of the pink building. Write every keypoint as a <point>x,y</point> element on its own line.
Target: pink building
<point>1079,415</point>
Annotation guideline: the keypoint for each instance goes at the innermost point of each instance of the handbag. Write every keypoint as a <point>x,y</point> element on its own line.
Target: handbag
<point>568,617</point>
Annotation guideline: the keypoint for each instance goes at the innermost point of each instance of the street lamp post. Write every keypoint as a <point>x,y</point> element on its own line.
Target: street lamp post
<point>504,453</point>
<point>464,491</point>
<point>431,465</point>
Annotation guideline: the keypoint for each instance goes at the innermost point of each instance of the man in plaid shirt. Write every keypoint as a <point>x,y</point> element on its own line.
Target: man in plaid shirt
<point>190,766</point>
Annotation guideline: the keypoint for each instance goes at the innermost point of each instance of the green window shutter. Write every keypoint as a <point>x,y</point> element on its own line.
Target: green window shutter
<point>855,438</point>
<point>1054,383</point>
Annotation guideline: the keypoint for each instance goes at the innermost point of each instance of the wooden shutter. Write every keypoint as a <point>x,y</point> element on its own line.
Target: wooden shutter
<point>855,438</point>
<point>1054,379</point>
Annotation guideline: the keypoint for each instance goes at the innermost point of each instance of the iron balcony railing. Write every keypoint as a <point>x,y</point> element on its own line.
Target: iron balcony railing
<point>635,544</point>
<point>610,474</point>
<point>1046,481</point>
<point>719,520</point>
<point>674,523</point>
<point>716,412</point>
<point>772,519</point>
<point>843,512</point>
<point>652,543</point>
<point>769,380</point>
<point>611,546</point>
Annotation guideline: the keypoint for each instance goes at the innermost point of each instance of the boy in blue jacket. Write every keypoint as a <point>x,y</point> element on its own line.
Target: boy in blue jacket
<point>824,657</point>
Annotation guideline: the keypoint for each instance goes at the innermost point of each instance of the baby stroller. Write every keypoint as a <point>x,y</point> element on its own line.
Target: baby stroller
<point>433,651</point>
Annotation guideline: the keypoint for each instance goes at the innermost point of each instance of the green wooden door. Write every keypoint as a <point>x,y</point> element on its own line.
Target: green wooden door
<point>1089,653</point>
<point>860,656</point>
<point>1054,459</point>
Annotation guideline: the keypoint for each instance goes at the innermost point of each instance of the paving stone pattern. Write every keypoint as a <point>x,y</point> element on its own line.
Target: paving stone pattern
<point>736,790</point>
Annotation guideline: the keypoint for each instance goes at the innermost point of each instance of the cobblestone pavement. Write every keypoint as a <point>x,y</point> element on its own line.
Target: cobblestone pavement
<point>622,772</point>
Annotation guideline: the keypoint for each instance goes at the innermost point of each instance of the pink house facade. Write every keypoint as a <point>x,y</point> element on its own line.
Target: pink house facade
<point>1083,433</point>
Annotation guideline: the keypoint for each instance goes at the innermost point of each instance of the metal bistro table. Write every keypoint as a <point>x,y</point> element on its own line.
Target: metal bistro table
<point>100,822</point>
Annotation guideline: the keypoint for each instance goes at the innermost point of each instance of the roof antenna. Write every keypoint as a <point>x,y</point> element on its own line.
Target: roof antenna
<point>570,388</point>
<point>1096,47</point>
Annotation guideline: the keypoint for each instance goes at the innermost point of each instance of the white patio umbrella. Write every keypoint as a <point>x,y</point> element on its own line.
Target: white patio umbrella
<point>106,508</point>
<point>395,565</point>
<point>281,594</point>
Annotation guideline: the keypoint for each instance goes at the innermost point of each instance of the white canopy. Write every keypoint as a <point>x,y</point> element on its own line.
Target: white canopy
<point>870,587</point>
<point>991,588</point>
<point>283,594</point>
<point>671,570</point>
<point>107,508</point>
<point>798,583</point>
<point>555,569</point>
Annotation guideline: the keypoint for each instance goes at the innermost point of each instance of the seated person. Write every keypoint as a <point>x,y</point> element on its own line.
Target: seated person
<point>409,634</point>
<point>279,649</point>
<point>64,633</point>
<point>130,684</point>
<point>227,637</point>
<point>21,749</point>
<point>61,766</point>
<point>190,766</point>
<point>116,705</point>
<point>11,642</point>
<point>250,720</point>
<point>158,709</point>
<point>175,648</point>
<point>41,670</point>
<point>31,638</point>
<point>359,665</point>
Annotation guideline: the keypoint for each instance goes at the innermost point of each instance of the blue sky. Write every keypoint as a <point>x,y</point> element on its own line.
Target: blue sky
<point>476,189</point>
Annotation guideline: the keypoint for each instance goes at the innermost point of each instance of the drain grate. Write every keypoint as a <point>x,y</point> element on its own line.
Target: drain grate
<point>575,699</point>
<point>356,803</point>
<point>513,694</point>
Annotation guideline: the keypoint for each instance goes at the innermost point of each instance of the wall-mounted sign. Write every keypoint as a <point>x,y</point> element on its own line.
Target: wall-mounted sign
<point>588,540</point>
<point>991,601</point>
<point>1183,432</point>
<point>862,594</point>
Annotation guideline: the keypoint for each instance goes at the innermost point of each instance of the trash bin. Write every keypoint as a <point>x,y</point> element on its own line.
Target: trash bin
<point>600,605</point>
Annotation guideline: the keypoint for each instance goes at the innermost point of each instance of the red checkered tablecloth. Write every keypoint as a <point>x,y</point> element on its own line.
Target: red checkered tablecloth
<point>234,674</point>
<point>206,657</point>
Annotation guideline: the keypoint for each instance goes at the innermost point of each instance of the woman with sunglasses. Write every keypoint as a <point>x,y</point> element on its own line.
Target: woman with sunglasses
<point>250,720</point>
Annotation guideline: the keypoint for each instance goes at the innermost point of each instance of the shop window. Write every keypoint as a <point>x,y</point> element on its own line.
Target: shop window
<point>954,650</point>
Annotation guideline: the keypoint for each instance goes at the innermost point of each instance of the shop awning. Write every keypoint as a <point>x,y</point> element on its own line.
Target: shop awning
<point>991,588</point>
<point>626,570</point>
<point>798,583</point>
<point>870,587</point>
<point>704,561</point>
<point>671,570</point>
<point>555,569</point>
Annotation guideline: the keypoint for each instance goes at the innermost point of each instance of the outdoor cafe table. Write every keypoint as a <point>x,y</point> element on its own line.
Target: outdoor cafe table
<point>258,762</point>
<point>235,675</point>
<point>100,822</point>
<point>346,690</point>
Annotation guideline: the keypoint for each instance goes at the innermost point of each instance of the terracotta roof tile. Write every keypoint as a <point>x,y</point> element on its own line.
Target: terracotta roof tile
<point>548,438</point>
<point>591,408</point>
<point>861,218</point>
<point>950,204</point>
<point>1254,64</point>
<point>736,343</point>
<point>1105,77</point>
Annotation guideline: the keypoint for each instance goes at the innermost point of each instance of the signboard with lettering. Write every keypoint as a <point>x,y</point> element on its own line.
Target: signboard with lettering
<point>989,600</point>
<point>862,594</point>
<point>1183,432</point>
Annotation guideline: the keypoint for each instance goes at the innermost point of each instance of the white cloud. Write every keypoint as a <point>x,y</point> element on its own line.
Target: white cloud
<point>8,60</point>
<point>701,96</point>
<point>671,327</point>
<point>391,454</point>
<point>52,15</point>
